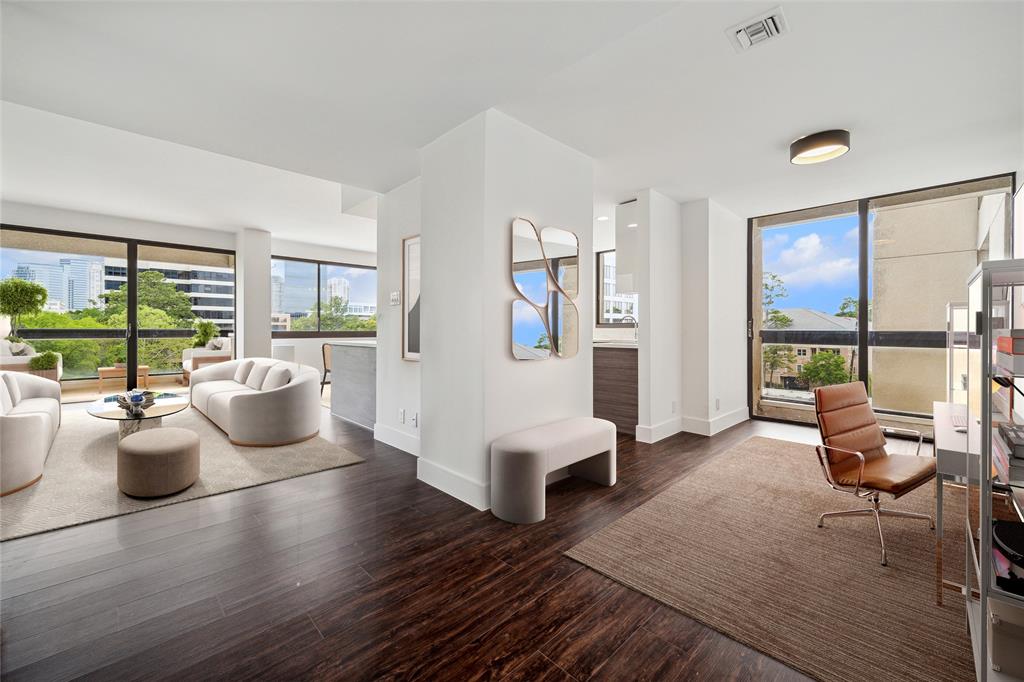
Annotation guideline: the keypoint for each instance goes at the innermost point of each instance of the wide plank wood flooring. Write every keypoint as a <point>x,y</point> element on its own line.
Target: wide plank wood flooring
<point>360,573</point>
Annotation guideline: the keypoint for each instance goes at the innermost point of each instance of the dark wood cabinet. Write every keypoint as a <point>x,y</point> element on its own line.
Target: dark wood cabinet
<point>615,387</point>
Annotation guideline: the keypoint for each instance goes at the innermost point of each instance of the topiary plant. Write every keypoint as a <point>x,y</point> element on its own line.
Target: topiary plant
<point>205,331</point>
<point>20,297</point>
<point>45,360</point>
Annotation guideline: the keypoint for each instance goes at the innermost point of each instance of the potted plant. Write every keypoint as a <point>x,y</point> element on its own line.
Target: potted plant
<point>44,364</point>
<point>205,332</point>
<point>19,297</point>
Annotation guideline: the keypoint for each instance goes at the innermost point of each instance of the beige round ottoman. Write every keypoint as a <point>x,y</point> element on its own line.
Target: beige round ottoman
<point>157,462</point>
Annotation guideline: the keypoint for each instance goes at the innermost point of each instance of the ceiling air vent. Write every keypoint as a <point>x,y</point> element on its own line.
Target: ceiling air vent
<point>757,30</point>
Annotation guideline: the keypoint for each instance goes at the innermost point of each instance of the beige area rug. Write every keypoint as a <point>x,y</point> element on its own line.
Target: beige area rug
<point>79,481</point>
<point>735,546</point>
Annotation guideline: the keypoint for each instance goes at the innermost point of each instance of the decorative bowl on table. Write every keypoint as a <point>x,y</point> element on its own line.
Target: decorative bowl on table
<point>135,402</point>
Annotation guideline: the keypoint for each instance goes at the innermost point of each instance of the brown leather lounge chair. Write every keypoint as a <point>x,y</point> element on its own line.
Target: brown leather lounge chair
<point>853,456</point>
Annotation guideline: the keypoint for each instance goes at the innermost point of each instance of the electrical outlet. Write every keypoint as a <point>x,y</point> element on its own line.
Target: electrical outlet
<point>416,419</point>
<point>718,404</point>
<point>673,407</point>
<point>401,415</point>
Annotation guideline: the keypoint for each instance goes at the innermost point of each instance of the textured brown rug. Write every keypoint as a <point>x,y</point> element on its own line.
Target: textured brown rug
<point>79,481</point>
<point>735,546</point>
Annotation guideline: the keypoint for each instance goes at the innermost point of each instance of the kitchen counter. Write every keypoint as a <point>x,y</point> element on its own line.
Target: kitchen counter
<point>630,345</point>
<point>354,380</point>
<point>616,385</point>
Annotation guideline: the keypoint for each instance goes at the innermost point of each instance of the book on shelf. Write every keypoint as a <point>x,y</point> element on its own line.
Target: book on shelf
<point>1010,362</point>
<point>1012,345</point>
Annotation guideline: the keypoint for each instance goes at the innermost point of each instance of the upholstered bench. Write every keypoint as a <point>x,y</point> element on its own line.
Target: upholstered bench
<point>157,462</point>
<point>521,461</point>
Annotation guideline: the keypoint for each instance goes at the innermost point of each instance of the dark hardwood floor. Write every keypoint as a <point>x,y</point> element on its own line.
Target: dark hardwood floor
<point>360,573</point>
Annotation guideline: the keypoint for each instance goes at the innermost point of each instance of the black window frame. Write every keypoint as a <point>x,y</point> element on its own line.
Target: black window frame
<point>318,334</point>
<point>599,297</point>
<point>863,339</point>
<point>132,335</point>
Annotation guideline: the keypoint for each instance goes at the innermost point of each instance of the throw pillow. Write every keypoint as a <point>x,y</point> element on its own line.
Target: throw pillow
<point>278,376</point>
<point>259,373</point>
<point>242,373</point>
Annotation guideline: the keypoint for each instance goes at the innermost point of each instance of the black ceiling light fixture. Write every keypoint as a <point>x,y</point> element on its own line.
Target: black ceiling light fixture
<point>823,146</point>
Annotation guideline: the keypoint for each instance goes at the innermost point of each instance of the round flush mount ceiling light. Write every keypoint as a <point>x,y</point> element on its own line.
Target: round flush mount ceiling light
<point>823,146</point>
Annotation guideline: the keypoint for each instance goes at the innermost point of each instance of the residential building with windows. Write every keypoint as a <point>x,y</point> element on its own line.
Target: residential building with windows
<point>211,289</point>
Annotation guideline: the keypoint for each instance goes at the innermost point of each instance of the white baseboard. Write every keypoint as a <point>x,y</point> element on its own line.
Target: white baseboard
<point>709,427</point>
<point>397,439</point>
<point>473,493</point>
<point>652,434</point>
<point>729,419</point>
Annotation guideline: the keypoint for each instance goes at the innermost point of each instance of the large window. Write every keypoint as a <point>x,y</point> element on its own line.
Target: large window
<point>89,317</point>
<point>317,298</point>
<point>614,309</point>
<point>859,291</point>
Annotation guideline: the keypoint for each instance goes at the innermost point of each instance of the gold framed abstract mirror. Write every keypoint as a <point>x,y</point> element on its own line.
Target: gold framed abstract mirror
<point>545,273</point>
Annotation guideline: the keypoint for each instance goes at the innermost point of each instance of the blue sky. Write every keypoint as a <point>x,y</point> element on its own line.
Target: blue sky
<point>527,325</point>
<point>9,259</point>
<point>817,261</point>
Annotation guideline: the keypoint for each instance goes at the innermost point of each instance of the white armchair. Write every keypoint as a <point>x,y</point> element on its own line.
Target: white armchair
<point>29,419</point>
<point>259,401</point>
<point>194,358</point>
<point>10,362</point>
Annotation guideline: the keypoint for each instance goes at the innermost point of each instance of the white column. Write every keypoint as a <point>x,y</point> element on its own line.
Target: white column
<point>252,293</point>
<point>714,305</point>
<point>475,180</point>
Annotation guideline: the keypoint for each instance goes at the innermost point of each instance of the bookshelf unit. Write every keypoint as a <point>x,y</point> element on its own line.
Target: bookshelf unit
<point>994,288</point>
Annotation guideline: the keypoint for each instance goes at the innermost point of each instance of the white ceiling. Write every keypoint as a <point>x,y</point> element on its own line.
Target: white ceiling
<point>349,92</point>
<point>54,160</point>
<point>931,92</point>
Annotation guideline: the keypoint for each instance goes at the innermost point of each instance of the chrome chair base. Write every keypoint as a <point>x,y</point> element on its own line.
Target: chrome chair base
<point>878,513</point>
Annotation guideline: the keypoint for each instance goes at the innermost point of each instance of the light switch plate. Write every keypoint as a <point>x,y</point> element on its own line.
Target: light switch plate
<point>395,298</point>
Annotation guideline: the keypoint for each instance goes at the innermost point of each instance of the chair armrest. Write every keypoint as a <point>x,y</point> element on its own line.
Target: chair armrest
<point>909,432</point>
<point>32,386</point>
<point>826,465</point>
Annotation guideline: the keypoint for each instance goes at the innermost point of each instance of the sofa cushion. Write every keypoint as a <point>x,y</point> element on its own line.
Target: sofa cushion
<point>278,376</point>
<point>202,392</point>
<point>5,398</point>
<point>47,406</point>
<point>13,388</point>
<point>259,373</point>
<point>219,407</point>
<point>242,373</point>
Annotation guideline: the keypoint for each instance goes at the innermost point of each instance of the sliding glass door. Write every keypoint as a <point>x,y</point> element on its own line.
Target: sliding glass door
<point>117,309</point>
<point>860,290</point>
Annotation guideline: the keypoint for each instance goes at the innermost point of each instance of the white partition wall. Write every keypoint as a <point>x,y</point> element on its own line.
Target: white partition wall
<point>398,380</point>
<point>475,180</point>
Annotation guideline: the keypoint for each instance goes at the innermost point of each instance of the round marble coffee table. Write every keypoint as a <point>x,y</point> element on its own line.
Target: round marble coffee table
<point>130,422</point>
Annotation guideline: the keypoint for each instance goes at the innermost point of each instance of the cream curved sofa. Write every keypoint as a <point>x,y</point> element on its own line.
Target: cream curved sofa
<point>259,401</point>
<point>29,419</point>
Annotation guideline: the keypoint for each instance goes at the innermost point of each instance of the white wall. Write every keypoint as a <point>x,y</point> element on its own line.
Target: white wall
<point>287,247</point>
<point>49,217</point>
<point>475,180</point>
<point>660,360</point>
<point>715,310</point>
<point>252,299</point>
<point>398,380</point>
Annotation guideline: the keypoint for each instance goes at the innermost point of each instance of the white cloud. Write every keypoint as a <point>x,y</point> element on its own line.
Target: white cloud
<point>804,252</point>
<point>774,240</point>
<point>853,234</point>
<point>524,313</point>
<point>823,272</point>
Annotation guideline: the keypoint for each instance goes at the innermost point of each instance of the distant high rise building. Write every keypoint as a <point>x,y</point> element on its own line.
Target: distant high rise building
<point>210,288</point>
<point>84,282</point>
<point>51,277</point>
<point>276,293</point>
<point>338,287</point>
